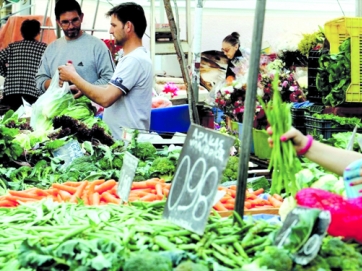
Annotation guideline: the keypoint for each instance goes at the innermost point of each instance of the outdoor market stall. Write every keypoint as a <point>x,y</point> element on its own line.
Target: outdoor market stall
<point>73,198</point>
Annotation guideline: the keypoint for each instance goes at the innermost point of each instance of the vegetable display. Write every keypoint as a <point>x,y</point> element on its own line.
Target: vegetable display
<point>252,200</point>
<point>101,192</point>
<point>47,234</point>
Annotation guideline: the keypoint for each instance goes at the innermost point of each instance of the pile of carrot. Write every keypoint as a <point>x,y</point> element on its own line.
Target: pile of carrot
<point>98,192</point>
<point>252,201</point>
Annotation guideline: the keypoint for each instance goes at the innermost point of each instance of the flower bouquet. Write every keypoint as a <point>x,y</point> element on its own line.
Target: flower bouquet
<point>288,85</point>
<point>230,97</point>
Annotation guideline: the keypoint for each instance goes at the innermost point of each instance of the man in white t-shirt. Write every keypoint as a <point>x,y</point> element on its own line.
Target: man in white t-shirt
<point>127,98</point>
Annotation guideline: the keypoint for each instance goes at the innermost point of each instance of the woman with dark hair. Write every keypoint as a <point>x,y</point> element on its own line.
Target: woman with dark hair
<point>231,49</point>
<point>20,62</point>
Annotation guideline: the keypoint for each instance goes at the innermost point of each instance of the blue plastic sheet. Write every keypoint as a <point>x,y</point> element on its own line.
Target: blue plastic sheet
<point>302,105</point>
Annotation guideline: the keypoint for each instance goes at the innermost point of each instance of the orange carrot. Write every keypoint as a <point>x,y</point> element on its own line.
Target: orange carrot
<point>140,193</point>
<point>159,189</point>
<point>138,185</point>
<point>108,185</point>
<point>136,191</point>
<point>109,198</point>
<point>232,193</point>
<point>63,187</point>
<point>247,205</point>
<point>17,199</point>
<point>232,187</point>
<point>79,192</point>
<point>229,206</point>
<point>231,200</point>
<point>149,197</point>
<point>151,183</point>
<point>95,199</point>
<point>219,207</point>
<point>250,196</point>
<point>59,198</point>
<point>85,199</point>
<point>45,193</point>
<point>7,203</point>
<point>259,191</point>
<point>22,194</point>
<point>278,197</point>
<point>72,184</point>
<point>91,188</point>
<point>276,203</point>
<point>65,195</point>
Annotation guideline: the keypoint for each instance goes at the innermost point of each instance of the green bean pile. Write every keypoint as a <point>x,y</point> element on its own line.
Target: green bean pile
<point>283,160</point>
<point>134,228</point>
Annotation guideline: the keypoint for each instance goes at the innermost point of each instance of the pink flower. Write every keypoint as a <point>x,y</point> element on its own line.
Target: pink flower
<point>171,88</point>
<point>285,84</point>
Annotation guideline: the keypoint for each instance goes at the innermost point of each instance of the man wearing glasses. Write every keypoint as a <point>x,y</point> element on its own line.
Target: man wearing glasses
<point>89,55</point>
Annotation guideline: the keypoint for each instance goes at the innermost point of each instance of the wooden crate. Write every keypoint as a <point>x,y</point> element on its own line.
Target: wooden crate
<point>269,211</point>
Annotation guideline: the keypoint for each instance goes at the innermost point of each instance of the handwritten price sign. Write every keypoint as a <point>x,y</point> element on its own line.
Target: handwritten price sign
<point>128,171</point>
<point>69,152</point>
<point>201,163</point>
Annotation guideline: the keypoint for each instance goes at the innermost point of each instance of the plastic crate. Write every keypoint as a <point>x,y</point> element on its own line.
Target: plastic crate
<point>325,132</point>
<point>321,123</point>
<point>170,119</point>
<point>314,109</point>
<point>313,94</point>
<point>261,145</point>
<point>336,31</point>
<point>298,118</point>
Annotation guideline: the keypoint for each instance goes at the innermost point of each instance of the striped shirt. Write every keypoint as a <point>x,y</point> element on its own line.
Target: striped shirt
<point>20,62</point>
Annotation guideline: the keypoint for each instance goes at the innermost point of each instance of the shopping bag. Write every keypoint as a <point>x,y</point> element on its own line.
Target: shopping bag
<point>50,104</point>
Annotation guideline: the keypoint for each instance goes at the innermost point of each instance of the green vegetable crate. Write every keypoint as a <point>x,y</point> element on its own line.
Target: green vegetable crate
<point>336,31</point>
<point>261,146</point>
<point>320,123</point>
<point>325,132</point>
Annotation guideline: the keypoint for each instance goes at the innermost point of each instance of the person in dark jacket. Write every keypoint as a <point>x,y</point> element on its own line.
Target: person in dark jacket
<point>20,62</point>
<point>231,49</point>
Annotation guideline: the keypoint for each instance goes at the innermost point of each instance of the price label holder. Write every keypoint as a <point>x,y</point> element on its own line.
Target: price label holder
<point>127,174</point>
<point>69,152</point>
<point>302,233</point>
<point>202,161</point>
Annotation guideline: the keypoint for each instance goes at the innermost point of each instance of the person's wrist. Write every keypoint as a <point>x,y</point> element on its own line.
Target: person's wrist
<point>307,146</point>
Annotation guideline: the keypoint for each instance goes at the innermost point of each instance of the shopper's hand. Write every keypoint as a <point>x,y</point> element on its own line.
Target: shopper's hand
<point>299,140</point>
<point>66,72</point>
<point>76,92</point>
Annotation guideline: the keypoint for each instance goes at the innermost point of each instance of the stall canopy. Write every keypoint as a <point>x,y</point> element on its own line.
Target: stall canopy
<point>10,32</point>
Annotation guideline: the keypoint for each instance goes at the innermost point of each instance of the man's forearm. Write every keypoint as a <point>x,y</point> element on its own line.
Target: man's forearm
<point>93,92</point>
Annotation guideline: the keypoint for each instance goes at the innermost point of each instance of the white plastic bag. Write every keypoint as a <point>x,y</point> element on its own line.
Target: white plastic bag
<point>50,104</point>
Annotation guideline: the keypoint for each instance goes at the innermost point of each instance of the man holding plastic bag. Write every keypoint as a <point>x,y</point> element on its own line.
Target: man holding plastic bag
<point>127,98</point>
<point>90,55</point>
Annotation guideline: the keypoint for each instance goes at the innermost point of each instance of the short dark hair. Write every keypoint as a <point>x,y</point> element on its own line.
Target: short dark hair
<point>30,29</point>
<point>132,12</point>
<point>233,38</point>
<point>63,6</point>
